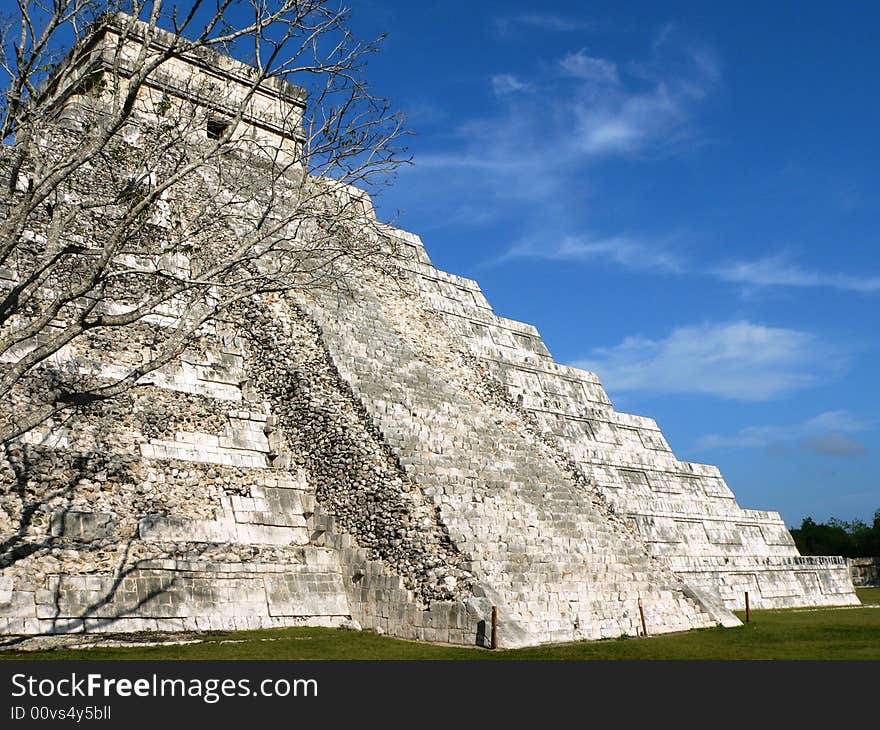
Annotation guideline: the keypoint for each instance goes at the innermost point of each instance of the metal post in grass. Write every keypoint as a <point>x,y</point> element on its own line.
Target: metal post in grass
<point>642,615</point>
<point>494,627</point>
<point>747,606</point>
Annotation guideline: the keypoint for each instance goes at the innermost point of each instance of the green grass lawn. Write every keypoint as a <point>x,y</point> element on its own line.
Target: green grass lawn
<point>868,595</point>
<point>847,633</point>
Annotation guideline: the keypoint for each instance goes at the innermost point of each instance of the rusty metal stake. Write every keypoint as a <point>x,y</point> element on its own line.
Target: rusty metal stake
<point>747,606</point>
<point>642,614</point>
<point>494,627</point>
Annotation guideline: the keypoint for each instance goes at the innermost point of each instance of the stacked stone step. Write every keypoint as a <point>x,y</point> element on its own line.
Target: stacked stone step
<point>180,587</point>
<point>771,581</point>
<point>685,512</point>
<point>105,562</point>
<point>546,553</point>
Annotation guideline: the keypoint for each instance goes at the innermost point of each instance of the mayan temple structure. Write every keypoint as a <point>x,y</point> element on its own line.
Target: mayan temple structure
<point>389,452</point>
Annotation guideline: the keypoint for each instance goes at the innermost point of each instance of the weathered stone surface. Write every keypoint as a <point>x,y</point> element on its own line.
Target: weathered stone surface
<point>85,526</point>
<point>388,454</point>
<point>865,571</point>
<point>684,512</point>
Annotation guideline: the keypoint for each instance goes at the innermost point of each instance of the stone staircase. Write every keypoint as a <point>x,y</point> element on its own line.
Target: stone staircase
<point>555,562</point>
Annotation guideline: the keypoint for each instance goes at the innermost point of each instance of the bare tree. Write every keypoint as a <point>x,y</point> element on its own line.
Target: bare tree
<point>150,181</point>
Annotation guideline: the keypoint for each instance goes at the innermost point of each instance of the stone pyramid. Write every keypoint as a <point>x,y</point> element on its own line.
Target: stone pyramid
<point>389,452</point>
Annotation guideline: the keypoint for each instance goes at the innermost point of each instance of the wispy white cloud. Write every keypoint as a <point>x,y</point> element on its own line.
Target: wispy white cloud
<point>618,249</point>
<point>580,109</point>
<point>828,433</point>
<point>663,34</point>
<point>738,360</point>
<point>840,420</point>
<point>503,84</point>
<point>672,47</point>
<point>778,270</point>
<point>642,255</point>
<point>835,444</point>
<point>587,68</point>
<point>627,123</point>
<point>466,161</point>
<point>589,109</point>
<point>541,21</point>
<point>649,107</point>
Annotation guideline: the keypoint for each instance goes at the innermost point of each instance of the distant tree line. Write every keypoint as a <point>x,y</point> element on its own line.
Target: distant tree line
<point>854,539</point>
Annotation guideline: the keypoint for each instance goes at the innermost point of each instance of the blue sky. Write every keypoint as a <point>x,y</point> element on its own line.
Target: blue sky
<point>680,196</point>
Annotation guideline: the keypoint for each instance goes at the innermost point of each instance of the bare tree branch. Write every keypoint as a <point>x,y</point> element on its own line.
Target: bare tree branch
<point>151,180</point>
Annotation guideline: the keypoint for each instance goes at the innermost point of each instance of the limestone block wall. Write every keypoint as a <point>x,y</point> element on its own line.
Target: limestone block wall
<point>174,594</point>
<point>864,571</point>
<point>233,557</point>
<point>210,519</point>
<point>684,512</point>
<point>189,89</point>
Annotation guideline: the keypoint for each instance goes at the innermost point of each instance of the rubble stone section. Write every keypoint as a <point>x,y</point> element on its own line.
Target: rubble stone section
<point>356,477</point>
<point>684,512</point>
